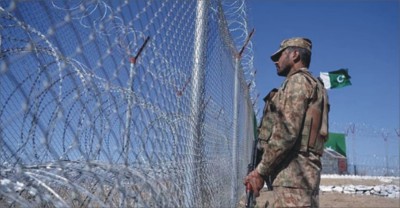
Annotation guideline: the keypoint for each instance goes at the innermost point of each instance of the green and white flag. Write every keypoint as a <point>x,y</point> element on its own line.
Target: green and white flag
<point>335,79</point>
<point>337,142</point>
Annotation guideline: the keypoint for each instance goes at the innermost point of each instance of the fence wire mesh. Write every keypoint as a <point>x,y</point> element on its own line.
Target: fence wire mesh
<point>124,103</point>
<point>380,159</point>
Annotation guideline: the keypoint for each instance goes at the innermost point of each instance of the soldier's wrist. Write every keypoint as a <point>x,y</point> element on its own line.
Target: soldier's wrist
<point>261,169</point>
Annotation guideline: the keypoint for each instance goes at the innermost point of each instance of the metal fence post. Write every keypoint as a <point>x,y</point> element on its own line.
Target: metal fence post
<point>128,114</point>
<point>197,83</point>
<point>235,130</point>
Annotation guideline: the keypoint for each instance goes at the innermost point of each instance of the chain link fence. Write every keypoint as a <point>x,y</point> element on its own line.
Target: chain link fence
<point>371,150</point>
<point>124,103</point>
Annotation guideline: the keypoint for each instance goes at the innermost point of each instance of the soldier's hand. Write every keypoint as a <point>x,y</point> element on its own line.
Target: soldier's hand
<point>256,182</point>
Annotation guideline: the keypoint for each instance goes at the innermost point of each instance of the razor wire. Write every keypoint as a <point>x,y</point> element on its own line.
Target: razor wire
<point>124,103</point>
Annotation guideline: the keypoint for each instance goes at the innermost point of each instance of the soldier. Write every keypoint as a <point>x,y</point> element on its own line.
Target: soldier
<point>293,130</point>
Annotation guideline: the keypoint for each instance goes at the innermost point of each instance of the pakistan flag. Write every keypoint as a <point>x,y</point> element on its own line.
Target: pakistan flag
<point>337,142</point>
<point>335,79</point>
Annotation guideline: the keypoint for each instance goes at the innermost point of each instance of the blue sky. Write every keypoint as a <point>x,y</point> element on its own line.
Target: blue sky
<point>362,36</point>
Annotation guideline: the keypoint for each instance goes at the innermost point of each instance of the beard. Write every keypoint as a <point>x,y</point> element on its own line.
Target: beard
<point>283,73</point>
<point>284,67</point>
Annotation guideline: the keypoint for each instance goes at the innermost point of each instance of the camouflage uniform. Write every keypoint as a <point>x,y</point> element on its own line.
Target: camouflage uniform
<point>292,133</point>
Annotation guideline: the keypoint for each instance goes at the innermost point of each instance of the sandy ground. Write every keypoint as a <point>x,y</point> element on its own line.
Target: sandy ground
<point>331,199</point>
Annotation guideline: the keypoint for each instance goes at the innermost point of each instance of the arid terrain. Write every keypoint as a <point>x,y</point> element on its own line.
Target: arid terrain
<point>334,199</point>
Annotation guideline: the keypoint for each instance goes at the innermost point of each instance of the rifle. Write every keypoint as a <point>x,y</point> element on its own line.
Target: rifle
<point>256,156</point>
<point>255,159</point>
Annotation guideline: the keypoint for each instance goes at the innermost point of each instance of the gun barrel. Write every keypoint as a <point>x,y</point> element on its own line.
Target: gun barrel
<point>249,199</point>
<point>249,195</point>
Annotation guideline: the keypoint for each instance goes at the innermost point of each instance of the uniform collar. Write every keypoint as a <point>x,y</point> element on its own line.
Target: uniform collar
<point>303,69</point>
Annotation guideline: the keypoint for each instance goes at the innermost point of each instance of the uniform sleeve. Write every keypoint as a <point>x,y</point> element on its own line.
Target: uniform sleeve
<point>291,103</point>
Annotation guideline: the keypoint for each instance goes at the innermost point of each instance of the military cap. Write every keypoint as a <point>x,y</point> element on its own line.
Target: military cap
<point>296,42</point>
